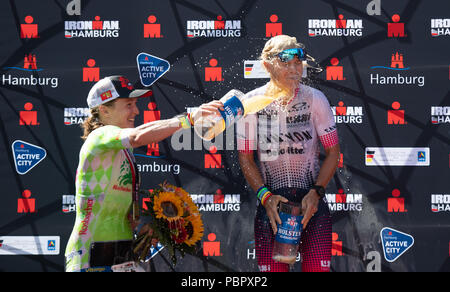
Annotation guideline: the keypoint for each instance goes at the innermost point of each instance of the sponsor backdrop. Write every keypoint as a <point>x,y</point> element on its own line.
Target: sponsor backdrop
<point>386,75</point>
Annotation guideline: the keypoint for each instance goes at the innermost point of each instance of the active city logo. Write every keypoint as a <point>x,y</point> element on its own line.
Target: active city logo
<point>30,64</point>
<point>335,27</point>
<point>440,203</point>
<point>344,202</point>
<point>26,156</point>
<point>96,28</point>
<point>397,65</point>
<point>51,245</point>
<point>395,243</point>
<point>213,28</point>
<point>151,68</point>
<point>440,115</point>
<point>440,27</point>
<point>217,202</point>
<point>344,114</point>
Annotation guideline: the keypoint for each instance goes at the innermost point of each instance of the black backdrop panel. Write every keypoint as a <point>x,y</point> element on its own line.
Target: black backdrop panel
<point>383,107</point>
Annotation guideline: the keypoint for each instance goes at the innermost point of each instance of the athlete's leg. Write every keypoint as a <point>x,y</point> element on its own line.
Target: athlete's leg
<point>315,245</point>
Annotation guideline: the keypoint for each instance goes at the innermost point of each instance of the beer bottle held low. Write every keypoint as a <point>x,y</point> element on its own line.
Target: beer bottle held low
<point>287,239</point>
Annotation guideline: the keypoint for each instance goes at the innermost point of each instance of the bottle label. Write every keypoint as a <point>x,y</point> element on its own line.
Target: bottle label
<point>234,110</point>
<point>290,229</point>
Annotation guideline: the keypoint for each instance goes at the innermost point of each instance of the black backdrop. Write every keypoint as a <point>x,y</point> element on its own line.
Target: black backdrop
<point>399,197</point>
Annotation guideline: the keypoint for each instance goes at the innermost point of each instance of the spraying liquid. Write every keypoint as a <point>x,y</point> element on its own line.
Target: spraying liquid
<point>208,127</point>
<point>256,103</point>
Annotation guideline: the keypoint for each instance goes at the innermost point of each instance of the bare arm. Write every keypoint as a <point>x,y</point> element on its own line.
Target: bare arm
<point>154,132</point>
<point>157,131</point>
<point>329,166</point>
<point>250,170</point>
<point>310,202</point>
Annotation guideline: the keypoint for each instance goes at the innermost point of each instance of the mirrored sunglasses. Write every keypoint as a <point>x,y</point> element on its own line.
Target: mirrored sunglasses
<point>289,54</point>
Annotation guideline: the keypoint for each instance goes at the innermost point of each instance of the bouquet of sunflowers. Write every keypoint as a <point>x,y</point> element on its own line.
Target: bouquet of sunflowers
<point>175,220</point>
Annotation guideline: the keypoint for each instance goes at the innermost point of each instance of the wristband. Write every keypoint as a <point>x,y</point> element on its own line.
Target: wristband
<point>265,198</point>
<point>184,121</point>
<point>263,194</point>
<point>191,120</point>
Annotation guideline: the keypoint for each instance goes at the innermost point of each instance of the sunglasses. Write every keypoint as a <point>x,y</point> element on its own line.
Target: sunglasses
<point>289,54</point>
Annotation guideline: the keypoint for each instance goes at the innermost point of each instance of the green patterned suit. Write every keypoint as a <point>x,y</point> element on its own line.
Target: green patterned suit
<point>103,194</point>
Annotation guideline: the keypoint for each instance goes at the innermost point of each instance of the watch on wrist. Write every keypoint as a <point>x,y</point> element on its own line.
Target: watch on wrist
<point>320,190</point>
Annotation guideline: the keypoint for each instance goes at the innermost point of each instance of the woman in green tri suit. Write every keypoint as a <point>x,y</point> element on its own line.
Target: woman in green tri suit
<point>107,179</point>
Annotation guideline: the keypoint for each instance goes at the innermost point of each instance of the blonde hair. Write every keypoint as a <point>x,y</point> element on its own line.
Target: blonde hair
<point>278,44</point>
<point>273,47</point>
<point>94,122</point>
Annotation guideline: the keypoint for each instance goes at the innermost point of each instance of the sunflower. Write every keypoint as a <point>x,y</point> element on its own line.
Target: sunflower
<point>168,206</point>
<point>194,228</point>
<point>181,193</point>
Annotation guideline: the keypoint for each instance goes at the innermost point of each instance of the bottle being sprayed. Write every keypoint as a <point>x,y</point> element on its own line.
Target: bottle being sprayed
<point>208,127</point>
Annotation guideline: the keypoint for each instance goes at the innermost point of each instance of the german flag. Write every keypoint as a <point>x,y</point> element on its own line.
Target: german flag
<point>248,69</point>
<point>369,156</point>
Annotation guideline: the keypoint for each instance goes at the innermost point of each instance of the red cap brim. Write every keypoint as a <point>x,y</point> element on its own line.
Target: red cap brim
<point>141,93</point>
